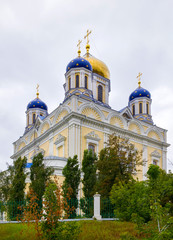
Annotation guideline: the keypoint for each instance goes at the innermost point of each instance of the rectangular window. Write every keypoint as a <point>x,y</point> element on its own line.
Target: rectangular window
<point>133,109</point>
<point>147,108</point>
<point>33,118</point>
<point>77,81</point>
<point>140,107</point>
<point>86,82</point>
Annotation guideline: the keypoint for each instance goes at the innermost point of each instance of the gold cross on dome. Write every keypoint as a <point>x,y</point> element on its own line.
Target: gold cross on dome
<point>78,45</point>
<point>37,90</point>
<point>139,79</point>
<point>86,36</point>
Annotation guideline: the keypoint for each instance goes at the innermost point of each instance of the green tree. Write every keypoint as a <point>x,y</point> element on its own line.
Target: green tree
<point>89,173</point>
<point>72,173</point>
<point>16,193</point>
<point>131,201</point>
<point>89,181</point>
<point>117,163</point>
<point>6,178</point>
<point>39,176</point>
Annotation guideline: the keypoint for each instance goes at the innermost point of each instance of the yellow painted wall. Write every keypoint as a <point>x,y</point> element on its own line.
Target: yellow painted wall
<point>34,136</point>
<point>61,115</point>
<point>84,132</point>
<point>45,127</point>
<point>139,174</point>
<point>150,150</point>
<point>21,146</point>
<point>60,151</point>
<point>65,134</point>
<point>45,147</point>
<point>105,113</point>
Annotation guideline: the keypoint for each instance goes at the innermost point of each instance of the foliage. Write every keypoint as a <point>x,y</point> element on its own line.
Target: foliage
<point>39,176</point>
<point>32,213</point>
<point>6,178</point>
<point>92,230</point>
<point>72,173</point>
<point>89,173</point>
<point>117,163</point>
<point>89,182</point>
<point>132,202</point>
<point>149,202</point>
<point>54,207</point>
<point>16,192</point>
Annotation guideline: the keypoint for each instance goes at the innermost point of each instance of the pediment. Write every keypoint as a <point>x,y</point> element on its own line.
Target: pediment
<point>37,150</point>
<point>59,139</point>
<point>126,113</point>
<point>93,136</point>
<point>155,154</point>
<point>38,122</point>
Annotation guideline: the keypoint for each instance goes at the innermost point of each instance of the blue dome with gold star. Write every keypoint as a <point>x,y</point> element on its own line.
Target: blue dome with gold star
<point>37,103</point>
<point>79,62</point>
<point>139,92</point>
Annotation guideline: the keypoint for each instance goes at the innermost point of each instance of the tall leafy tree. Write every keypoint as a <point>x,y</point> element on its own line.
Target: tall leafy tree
<point>6,178</point>
<point>89,181</point>
<point>89,173</point>
<point>16,193</point>
<point>18,182</point>
<point>72,173</point>
<point>118,162</point>
<point>39,176</point>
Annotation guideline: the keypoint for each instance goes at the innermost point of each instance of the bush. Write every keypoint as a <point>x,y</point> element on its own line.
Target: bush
<point>62,231</point>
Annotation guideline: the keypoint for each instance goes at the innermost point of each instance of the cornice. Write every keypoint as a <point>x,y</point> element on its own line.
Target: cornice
<point>88,120</point>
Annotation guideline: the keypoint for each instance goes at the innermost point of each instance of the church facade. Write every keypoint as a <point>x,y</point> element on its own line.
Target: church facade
<point>84,120</point>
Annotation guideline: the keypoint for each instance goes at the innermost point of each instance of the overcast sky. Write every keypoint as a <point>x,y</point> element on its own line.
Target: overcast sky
<point>38,38</point>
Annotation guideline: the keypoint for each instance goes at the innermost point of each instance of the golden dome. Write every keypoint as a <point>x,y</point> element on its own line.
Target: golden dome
<point>98,66</point>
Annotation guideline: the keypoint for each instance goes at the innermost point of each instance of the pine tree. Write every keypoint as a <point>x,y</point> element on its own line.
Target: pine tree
<point>16,193</point>
<point>39,176</point>
<point>72,173</point>
<point>89,173</point>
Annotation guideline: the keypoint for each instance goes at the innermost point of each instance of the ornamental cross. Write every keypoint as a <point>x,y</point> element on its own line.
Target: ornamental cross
<point>78,45</point>
<point>139,78</point>
<point>37,90</point>
<point>86,36</point>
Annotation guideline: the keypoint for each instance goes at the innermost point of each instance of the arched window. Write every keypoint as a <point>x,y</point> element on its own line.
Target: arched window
<point>91,147</point>
<point>33,118</point>
<point>69,83</point>
<point>140,107</point>
<point>77,81</point>
<point>147,108</point>
<point>100,93</point>
<point>86,82</point>
<point>133,109</point>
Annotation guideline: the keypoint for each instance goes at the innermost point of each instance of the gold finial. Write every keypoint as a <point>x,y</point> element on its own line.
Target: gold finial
<point>78,45</point>
<point>37,91</point>
<point>86,37</point>
<point>139,79</point>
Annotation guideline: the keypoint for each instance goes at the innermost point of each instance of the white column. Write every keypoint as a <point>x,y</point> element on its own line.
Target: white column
<point>164,159</point>
<point>73,80</point>
<point>97,207</point>
<point>144,107</point>
<point>51,145</point>
<point>145,161</point>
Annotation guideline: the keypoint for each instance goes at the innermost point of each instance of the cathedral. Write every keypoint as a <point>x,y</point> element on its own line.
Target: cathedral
<point>84,120</point>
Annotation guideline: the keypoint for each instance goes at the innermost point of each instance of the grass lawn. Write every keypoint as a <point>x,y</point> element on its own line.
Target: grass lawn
<point>91,230</point>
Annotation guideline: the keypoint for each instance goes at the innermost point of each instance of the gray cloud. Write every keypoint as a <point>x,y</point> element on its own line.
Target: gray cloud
<point>38,38</point>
